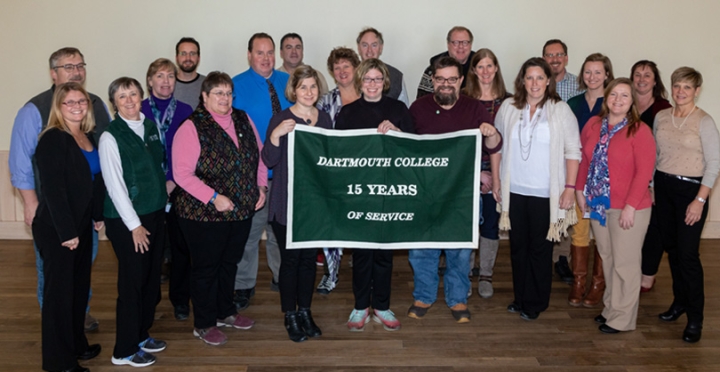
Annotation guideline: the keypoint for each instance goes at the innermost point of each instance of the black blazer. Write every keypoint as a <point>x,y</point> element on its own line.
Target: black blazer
<point>70,198</point>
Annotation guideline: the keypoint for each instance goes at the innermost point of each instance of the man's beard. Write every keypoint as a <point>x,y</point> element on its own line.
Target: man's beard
<point>188,69</point>
<point>446,99</point>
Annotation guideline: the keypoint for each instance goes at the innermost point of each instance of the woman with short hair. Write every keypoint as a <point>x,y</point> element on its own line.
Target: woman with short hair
<point>131,157</point>
<point>688,161</point>
<point>216,164</point>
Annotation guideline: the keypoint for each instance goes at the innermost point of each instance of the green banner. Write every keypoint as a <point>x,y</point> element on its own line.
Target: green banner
<point>363,189</point>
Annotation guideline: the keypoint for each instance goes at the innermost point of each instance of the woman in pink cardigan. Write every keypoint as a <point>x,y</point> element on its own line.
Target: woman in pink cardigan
<point>618,158</point>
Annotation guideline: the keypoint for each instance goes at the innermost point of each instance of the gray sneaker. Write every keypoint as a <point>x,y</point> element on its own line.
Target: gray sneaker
<point>326,285</point>
<point>485,288</point>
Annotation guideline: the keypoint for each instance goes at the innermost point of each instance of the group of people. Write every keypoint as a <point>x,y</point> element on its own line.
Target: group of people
<point>203,162</point>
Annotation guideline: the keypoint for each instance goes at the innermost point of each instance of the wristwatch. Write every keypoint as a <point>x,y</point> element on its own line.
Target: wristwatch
<point>701,200</point>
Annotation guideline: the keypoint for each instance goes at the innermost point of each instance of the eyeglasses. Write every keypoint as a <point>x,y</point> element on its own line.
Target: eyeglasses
<point>558,55</point>
<point>191,54</point>
<point>377,80</point>
<point>457,43</point>
<point>82,102</point>
<point>70,67</point>
<point>442,80</point>
<point>222,94</point>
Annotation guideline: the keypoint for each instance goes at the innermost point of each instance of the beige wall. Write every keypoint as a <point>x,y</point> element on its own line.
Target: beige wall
<point>122,37</point>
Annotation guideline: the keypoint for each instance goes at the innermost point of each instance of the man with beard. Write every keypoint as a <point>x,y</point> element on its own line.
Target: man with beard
<point>188,81</point>
<point>370,44</point>
<point>555,53</point>
<point>446,110</point>
<point>66,65</point>
<point>292,53</point>
<point>459,45</point>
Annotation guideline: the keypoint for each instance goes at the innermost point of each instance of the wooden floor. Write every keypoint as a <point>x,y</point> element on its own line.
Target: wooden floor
<point>562,339</point>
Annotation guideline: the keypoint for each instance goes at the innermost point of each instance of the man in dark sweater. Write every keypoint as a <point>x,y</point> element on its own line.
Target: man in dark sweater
<point>370,44</point>
<point>459,45</point>
<point>66,64</point>
<point>446,110</point>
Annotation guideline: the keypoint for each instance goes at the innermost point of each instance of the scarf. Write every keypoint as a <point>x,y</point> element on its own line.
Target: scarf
<point>597,188</point>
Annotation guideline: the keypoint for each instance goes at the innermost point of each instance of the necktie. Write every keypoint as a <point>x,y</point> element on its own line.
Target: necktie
<point>273,98</point>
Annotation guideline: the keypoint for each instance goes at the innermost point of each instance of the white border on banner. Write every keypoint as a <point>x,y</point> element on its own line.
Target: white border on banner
<point>370,245</point>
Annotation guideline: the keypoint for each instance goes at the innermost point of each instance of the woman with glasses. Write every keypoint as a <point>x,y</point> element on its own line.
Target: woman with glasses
<point>216,164</point>
<point>167,113</point>
<point>688,161</point>
<point>297,267</point>
<point>72,194</point>
<point>372,268</point>
<point>341,64</point>
<point>485,83</point>
<point>131,157</point>
<point>539,165</point>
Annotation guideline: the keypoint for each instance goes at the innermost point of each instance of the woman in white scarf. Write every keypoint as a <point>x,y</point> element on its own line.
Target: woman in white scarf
<point>535,185</point>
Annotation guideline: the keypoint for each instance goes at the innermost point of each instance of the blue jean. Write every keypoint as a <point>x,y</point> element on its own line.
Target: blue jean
<point>41,276</point>
<point>425,275</point>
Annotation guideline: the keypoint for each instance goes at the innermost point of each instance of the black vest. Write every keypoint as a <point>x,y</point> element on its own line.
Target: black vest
<point>396,79</point>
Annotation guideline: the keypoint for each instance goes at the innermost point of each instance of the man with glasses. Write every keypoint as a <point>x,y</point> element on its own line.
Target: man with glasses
<point>66,65</point>
<point>292,51</point>
<point>188,81</point>
<point>555,53</point>
<point>260,92</point>
<point>459,45</point>
<point>446,110</point>
<point>370,45</point>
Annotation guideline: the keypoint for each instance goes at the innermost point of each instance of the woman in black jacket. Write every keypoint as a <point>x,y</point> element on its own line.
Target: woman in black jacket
<point>71,197</point>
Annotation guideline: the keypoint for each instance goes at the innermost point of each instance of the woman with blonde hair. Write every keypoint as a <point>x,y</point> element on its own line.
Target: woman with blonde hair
<point>72,194</point>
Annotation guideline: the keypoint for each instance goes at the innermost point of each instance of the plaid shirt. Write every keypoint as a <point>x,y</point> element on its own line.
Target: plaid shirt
<point>568,87</point>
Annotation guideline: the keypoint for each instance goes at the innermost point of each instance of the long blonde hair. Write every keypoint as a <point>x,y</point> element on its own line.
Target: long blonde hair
<point>56,119</point>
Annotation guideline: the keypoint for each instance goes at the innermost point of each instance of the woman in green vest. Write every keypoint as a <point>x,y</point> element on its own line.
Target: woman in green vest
<point>131,157</point>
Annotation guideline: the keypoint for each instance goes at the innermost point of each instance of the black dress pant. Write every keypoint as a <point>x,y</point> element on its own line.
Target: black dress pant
<point>297,272</point>
<point>530,251</point>
<point>652,249</point>
<point>179,291</point>
<point>65,295</point>
<point>138,280</point>
<point>682,242</point>
<point>372,274</point>
<point>215,250</point>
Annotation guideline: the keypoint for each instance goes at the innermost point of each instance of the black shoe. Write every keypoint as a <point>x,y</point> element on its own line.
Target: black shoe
<point>692,332</point>
<point>514,308</point>
<point>529,315</point>
<point>274,286</point>
<point>563,269</point>
<point>600,319</point>
<point>182,312</point>
<point>476,271</point>
<point>304,317</point>
<point>295,332</point>
<point>673,313</point>
<point>242,298</point>
<point>604,328</point>
<point>91,352</point>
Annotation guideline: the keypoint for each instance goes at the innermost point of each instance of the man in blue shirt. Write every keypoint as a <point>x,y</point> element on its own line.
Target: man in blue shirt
<point>260,92</point>
<point>66,65</point>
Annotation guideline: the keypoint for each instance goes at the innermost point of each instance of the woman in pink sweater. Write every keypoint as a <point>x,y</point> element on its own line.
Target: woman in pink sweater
<point>618,158</point>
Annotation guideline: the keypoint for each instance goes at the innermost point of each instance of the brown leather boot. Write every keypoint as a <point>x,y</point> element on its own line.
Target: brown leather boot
<point>579,264</point>
<point>597,290</point>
